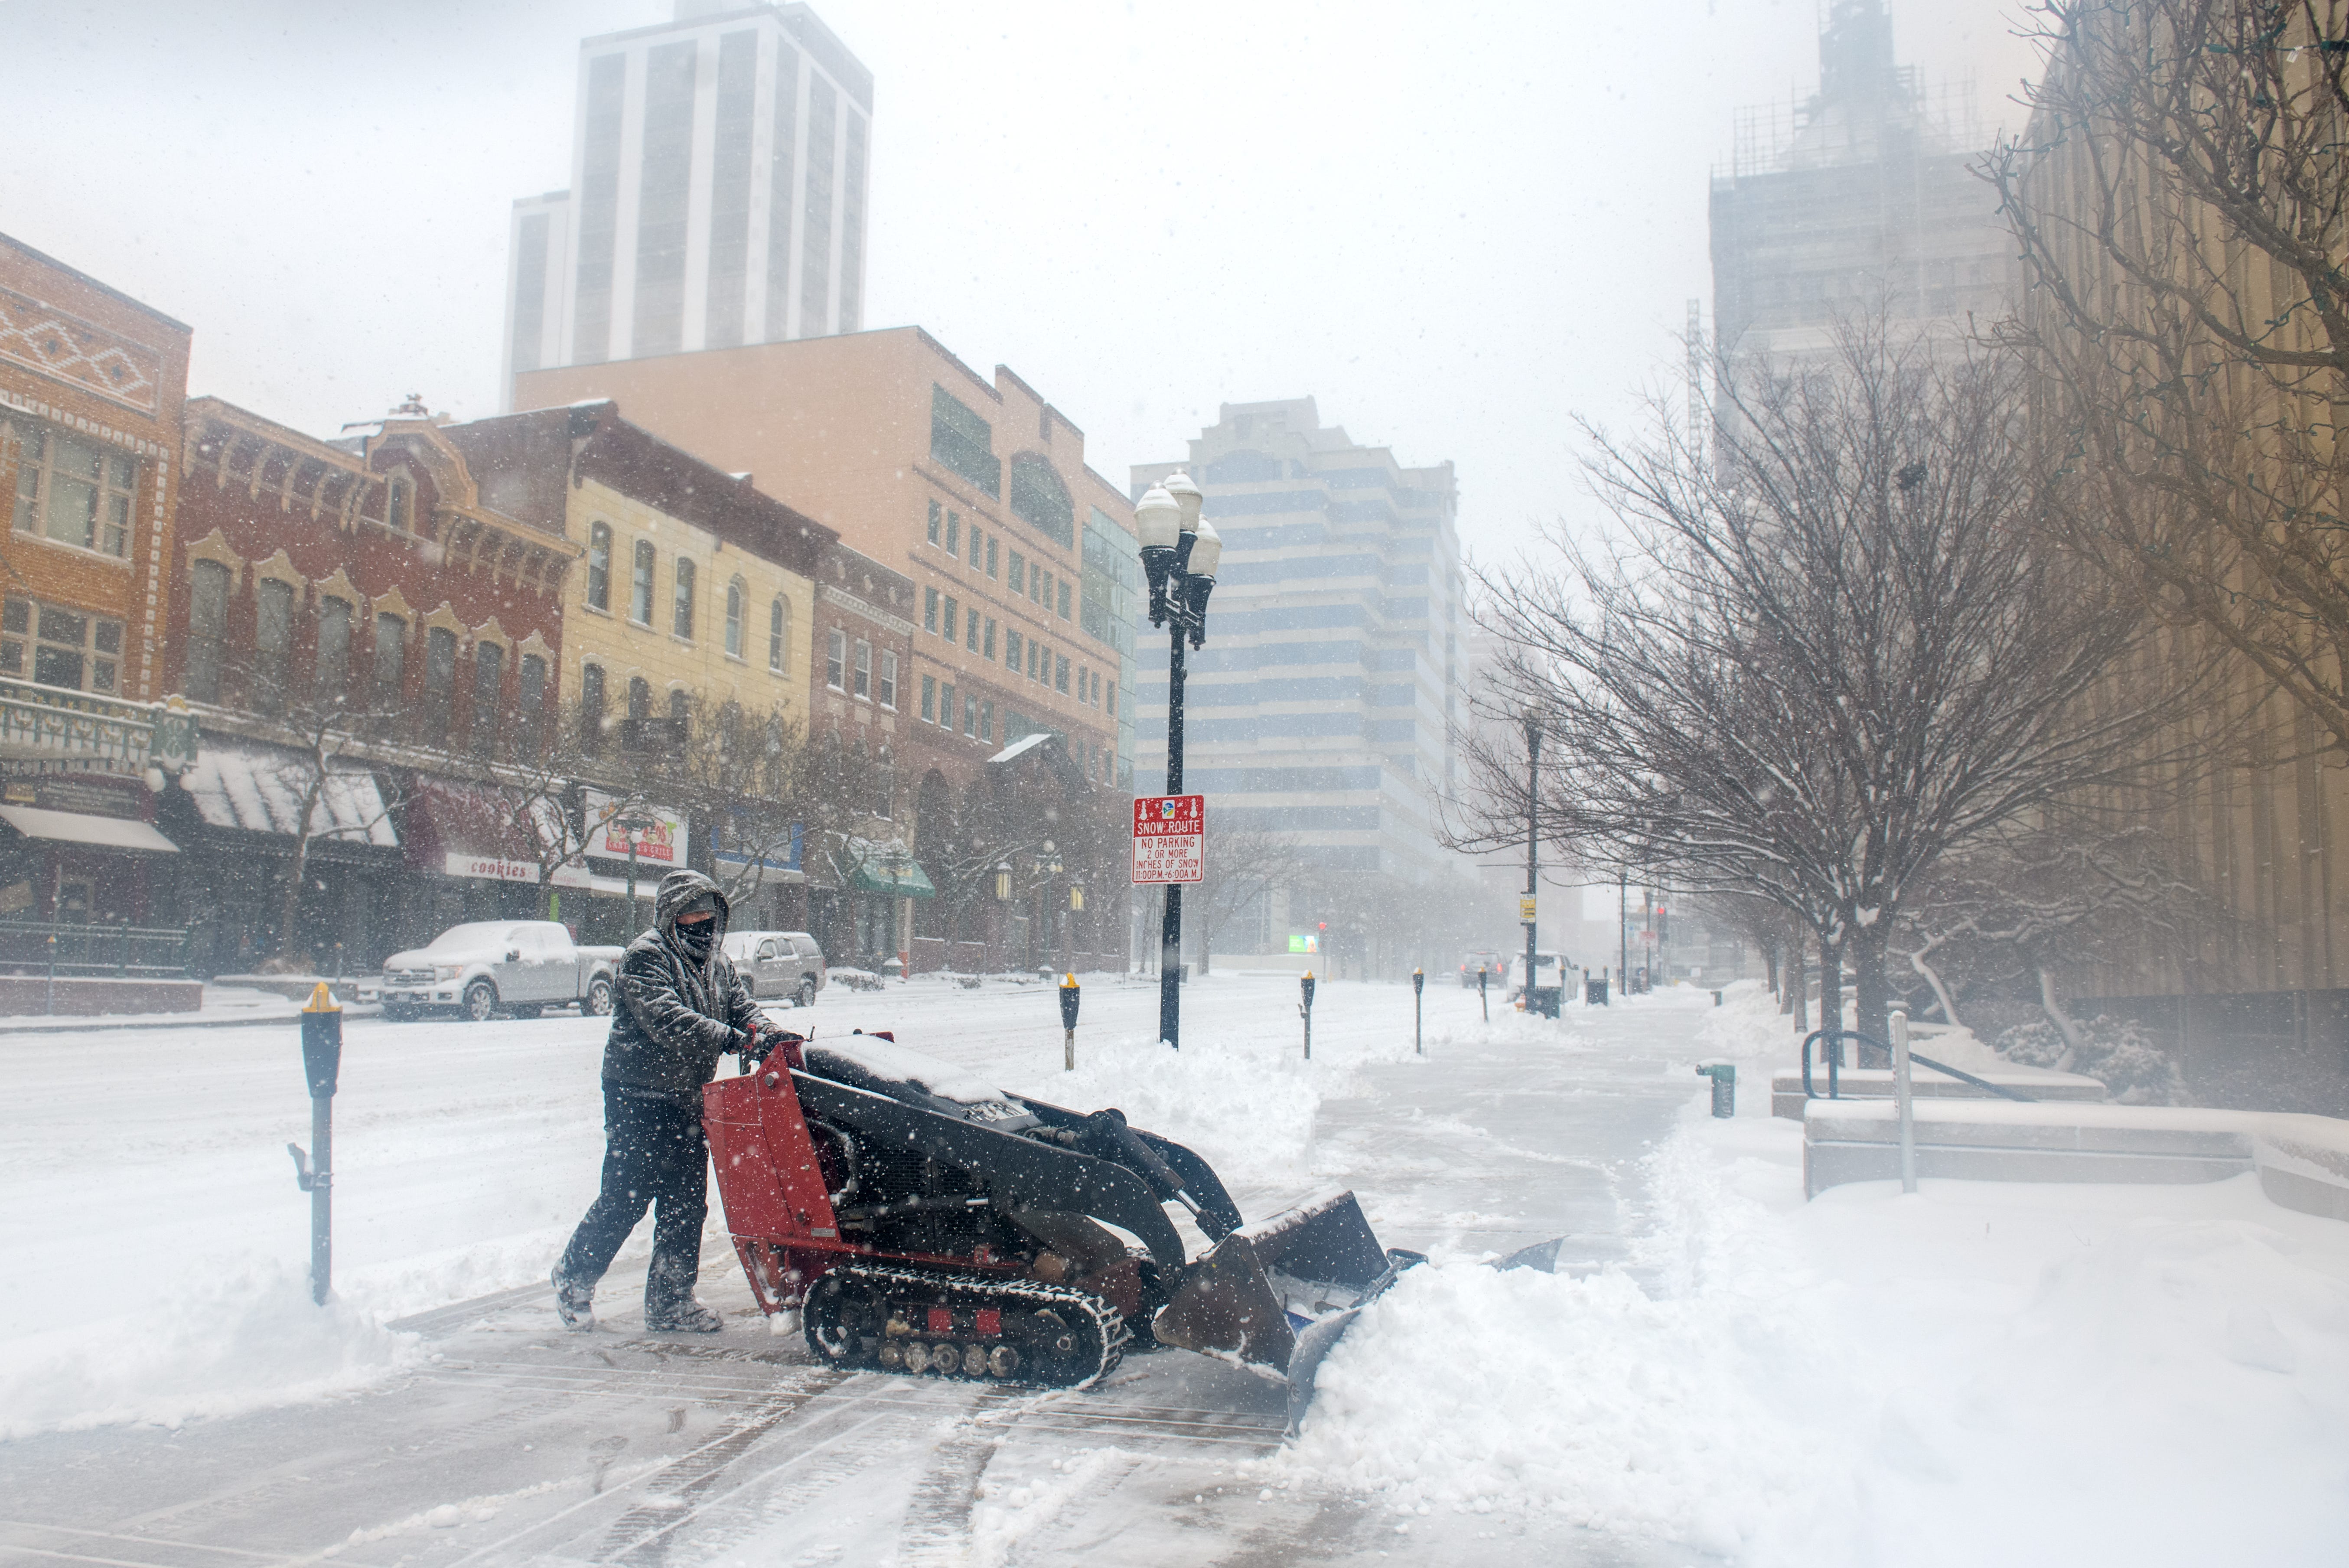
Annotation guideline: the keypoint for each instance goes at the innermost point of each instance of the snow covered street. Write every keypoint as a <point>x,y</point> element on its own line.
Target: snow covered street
<point>1719,1371</point>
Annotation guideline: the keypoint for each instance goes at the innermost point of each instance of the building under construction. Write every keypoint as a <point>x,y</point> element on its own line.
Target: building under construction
<point>1859,198</point>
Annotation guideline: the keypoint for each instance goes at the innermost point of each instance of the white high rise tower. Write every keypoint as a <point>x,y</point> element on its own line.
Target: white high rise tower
<point>718,181</point>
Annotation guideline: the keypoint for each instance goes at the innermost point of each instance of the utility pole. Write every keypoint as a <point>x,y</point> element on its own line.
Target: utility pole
<point>1623,927</point>
<point>1533,852</point>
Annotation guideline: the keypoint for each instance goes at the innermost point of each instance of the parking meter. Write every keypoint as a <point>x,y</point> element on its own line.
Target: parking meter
<point>1068,990</point>
<point>1418,989</point>
<point>322,1065</point>
<point>1483,1005</point>
<point>1305,1010</point>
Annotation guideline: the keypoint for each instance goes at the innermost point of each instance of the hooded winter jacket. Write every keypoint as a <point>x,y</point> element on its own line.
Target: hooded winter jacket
<point>678,1014</point>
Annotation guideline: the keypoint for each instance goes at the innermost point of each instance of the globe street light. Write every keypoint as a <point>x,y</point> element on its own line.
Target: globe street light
<point>1179,553</point>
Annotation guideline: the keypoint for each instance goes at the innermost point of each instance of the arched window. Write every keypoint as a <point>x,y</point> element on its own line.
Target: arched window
<point>599,566</point>
<point>640,700</point>
<point>885,784</point>
<point>439,683</point>
<point>736,596</point>
<point>207,625</point>
<point>779,628</point>
<point>680,703</point>
<point>682,614</point>
<point>640,585</point>
<point>530,706</point>
<point>489,696</point>
<point>399,505</point>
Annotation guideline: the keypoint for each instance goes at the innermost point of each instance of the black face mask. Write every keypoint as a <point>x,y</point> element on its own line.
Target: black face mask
<point>697,939</point>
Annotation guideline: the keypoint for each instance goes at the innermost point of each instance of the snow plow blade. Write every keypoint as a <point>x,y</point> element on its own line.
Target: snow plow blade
<point>1279,1294</point>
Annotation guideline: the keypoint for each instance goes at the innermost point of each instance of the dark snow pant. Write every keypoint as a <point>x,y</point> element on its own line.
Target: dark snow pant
<point>655,1155</point>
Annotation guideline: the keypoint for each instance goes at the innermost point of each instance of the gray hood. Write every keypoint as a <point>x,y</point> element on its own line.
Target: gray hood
<point>677,890</point>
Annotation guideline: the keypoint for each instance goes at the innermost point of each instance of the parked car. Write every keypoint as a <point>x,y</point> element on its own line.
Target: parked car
<point>779,963</point>
<point>522,966</point>
<point>1497,966</point>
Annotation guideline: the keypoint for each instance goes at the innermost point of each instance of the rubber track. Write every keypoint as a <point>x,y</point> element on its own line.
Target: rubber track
<point>1109,1331</point>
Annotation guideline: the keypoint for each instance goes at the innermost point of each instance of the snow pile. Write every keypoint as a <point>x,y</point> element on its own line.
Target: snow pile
<point>202,1347</point>
<point>1984,1373</point>
<point>1676,1419</point>
<point>1244,1109</point>
<point>1747,1026</point>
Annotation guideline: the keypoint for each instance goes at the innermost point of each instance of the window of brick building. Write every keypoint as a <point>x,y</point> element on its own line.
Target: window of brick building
<point>207,629</point>
<point>887,695</point>
<point>488,688</point>
<point>439,683</point>
<point>591,708</point>
<point>75,490</point>
<point>864,672</point>
<point>531,693</point>
<point>390,664</point>
<point>836,658</point>
<point>330,672</point>
<point>273,643</point>
<point>60,647</point>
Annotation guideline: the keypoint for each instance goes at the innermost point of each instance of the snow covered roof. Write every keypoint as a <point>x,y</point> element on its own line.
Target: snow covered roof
<point>258,788</point>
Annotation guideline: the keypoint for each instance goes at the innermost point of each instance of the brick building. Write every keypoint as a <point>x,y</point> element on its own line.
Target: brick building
<point>368,583</point>
<point>91,387</point>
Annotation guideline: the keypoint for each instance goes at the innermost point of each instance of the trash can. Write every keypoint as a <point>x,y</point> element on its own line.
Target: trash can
<point>1594,993</point>
<point>1543,998</point>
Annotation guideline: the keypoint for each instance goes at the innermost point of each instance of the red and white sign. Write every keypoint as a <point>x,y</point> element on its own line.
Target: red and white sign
<point>1169,831</point>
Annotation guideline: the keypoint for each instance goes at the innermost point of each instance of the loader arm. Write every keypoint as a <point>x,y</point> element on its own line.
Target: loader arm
<point>1018,1172</point>
<point>1218,1215</point>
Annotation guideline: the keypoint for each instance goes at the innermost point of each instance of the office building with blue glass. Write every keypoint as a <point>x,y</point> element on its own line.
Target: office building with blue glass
<point>1325,705</point>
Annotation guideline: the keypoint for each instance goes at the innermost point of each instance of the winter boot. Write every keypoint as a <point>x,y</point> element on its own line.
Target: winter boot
<point>686,1316</point>
<point>573,1303</point>
<point>669,1307</point>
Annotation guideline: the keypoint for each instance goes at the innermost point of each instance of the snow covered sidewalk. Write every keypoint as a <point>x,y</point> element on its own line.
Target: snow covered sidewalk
<point>1983,1372</point>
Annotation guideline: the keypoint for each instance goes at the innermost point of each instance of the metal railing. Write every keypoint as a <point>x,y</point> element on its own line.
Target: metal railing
<point>122,951</point>
<point>1831,1051</point>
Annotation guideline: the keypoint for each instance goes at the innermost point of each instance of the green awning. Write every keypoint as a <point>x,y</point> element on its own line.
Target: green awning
<point>905,879</point>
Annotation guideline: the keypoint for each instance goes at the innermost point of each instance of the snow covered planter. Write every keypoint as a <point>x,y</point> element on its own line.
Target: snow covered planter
<point>2116,1052</point>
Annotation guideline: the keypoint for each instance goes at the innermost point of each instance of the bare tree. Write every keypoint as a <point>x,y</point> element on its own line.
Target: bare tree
<point>2181,203</point>
<point>1242,866</point>
<point>331,796</point>
<point>1811,663</point>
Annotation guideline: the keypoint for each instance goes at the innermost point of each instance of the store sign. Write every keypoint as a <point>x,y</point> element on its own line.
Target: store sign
<point>1169,835</point>
<point>82,793</point>
<point>660,843</point>
<point>1304,942</point>
<point>489,869</point>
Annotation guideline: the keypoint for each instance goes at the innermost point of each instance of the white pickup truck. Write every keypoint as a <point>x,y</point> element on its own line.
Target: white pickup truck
<point>522,966</point>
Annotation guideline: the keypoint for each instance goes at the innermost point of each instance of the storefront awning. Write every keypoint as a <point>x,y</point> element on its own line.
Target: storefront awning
<point>95,832</point>
<point>883,870</point>
<point>259,788</point>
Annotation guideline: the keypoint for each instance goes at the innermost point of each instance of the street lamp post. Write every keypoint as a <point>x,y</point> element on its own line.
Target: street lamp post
<point>1180,552</point>
<point>632,820</point>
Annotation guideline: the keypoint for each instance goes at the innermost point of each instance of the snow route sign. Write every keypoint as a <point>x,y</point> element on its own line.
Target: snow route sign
<point>1167,834</point>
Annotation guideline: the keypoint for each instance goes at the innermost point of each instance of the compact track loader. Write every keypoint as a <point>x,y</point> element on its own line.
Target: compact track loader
<point>923,1220</point>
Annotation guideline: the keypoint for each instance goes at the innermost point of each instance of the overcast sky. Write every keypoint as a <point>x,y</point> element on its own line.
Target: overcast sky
<point>1456,226</point>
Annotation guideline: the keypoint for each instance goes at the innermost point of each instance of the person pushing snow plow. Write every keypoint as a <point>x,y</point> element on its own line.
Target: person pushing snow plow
<point>681,1007</point>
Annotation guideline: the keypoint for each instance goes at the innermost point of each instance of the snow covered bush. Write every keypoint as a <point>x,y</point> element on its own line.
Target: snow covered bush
<point>2037,1044</point>
<point>2116,1052</point>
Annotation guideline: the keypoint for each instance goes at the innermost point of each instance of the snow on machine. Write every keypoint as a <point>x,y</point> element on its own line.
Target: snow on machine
<point>924,1221</point>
